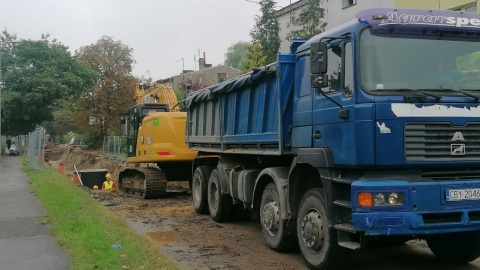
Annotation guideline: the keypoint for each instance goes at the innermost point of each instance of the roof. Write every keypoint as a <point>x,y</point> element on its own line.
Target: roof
<point>210,68</point>
<point>239,82</point>
<point>291,7</point>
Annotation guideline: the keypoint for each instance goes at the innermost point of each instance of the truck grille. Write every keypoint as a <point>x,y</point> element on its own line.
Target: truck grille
<point>442,142</point>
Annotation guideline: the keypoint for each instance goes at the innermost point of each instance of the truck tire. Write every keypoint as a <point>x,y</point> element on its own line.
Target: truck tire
<point>316,239</point>
<point>220,205</point>
<point>199,189</point>
<point>458,248</point>
<point>274,229</point>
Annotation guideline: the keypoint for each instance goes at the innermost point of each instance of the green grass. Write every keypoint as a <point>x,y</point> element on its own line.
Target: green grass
<point>87,230</point>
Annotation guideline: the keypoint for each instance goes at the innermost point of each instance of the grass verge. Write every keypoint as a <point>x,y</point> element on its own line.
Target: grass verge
<point>87,231</point>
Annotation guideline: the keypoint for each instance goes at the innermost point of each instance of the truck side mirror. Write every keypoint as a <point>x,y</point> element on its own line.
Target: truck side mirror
<point>318,58</point>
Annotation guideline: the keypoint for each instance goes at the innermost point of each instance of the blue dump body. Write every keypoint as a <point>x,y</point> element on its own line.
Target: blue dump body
<point>384,136</point>
<point>249,114</point>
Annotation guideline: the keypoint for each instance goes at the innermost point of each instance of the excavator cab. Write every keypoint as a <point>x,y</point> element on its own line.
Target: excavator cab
<point>132,121</point>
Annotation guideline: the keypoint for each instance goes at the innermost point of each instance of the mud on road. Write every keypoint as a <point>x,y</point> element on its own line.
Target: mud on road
<point>195,241</point>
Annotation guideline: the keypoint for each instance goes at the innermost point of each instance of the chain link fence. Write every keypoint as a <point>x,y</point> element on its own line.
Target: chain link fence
<point>19,143</point>
<point>31,145</point>
<point>115,146</point>
<point>35,148</point>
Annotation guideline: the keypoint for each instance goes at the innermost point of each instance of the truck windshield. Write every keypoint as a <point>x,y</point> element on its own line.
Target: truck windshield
<point>434,65</point>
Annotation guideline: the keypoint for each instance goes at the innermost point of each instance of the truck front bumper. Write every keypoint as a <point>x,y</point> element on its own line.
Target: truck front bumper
<point>426,208</point>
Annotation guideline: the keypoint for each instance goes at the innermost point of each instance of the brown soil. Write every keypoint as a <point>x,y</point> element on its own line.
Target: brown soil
<point>195,241</point>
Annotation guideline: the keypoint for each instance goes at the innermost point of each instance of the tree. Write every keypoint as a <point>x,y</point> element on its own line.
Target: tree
<point>64,119</point>
<point>112,96</point>
<point>309,21</point>
<point>37,75</point>
<point>255,58</point>
<point>266,29</point>
<point>237,54</point>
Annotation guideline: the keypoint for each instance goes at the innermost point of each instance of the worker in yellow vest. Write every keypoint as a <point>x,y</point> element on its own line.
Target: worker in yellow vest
<point>108,184</point>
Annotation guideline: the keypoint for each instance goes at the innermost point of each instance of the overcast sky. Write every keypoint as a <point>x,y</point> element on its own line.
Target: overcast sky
<point>160,32</point>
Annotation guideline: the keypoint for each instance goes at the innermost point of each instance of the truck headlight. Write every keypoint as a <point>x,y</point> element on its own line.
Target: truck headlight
<point>370,199</point>
<point>393,198</point>
<point>378,199</point>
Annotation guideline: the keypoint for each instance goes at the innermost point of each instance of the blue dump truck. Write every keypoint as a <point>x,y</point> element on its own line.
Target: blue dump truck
<point>367,132</point>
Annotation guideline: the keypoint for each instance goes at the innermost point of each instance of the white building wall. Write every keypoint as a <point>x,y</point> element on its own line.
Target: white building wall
<point>335,14</point>
<point>284,16</point>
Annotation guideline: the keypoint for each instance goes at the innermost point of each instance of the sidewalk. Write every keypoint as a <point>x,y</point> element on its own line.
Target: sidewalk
<point>25,242</point>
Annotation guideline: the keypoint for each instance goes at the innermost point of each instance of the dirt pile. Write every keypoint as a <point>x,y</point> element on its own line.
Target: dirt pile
<point>54,152</point>
<point>89,159</point>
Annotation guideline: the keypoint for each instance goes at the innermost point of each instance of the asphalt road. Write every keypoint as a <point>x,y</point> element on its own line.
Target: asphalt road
<point>25,242</point>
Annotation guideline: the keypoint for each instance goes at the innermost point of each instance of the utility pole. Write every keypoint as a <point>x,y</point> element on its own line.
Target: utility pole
<point>183,63</point>
<point>183,72</point>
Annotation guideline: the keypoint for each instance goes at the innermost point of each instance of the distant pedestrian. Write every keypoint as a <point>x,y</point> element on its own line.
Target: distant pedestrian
<point>9,143</point>
<point>108,184</point>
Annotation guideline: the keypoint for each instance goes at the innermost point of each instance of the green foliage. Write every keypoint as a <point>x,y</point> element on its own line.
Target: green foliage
<point>180,95</point>
<point>237,54</point>
<point>469,61</point>
<point>255,58</point>
<point>266,30</point>
<point>64,118</point>
<point>309,22</point>
<point>87,231</point>
<point>101,108</point>
<point>37,75</point>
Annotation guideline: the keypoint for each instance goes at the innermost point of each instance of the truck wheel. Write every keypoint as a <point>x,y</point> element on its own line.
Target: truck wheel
<point>220,205</point>
<point>456,247</point>
<point>316,239</point>
<point>274,229</point>
<point>199,189</point>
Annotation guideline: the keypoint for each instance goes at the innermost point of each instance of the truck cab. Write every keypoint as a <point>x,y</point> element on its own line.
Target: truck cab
<point>390,104</point>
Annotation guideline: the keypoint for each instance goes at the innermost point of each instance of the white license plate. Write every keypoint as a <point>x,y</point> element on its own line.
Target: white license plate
<point>463,194</point>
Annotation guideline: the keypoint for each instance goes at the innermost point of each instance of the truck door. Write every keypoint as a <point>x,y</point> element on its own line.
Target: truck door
<point>302,105</point>
<point>329,129</point>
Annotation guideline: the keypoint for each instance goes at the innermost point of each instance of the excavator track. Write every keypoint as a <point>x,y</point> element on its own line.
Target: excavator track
<point>146,183</point>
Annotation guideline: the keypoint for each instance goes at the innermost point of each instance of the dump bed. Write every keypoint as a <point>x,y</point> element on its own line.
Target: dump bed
<point>249,114</point>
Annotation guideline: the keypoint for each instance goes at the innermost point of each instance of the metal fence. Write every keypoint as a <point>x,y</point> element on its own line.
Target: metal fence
<point>35,148</point>
<point>20,144</point>
<point>115,146</point>
<point>31,145</point>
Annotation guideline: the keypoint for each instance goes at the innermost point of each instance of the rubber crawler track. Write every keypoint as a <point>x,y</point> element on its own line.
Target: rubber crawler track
<point>147,183</point>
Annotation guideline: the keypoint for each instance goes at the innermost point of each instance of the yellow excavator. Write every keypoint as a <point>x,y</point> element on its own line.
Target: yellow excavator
<point>155,130</point>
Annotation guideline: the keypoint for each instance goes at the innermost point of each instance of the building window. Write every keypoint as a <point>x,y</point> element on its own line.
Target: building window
<point>471,8</point>
<point>348,3</point>
<point>222,77</point>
